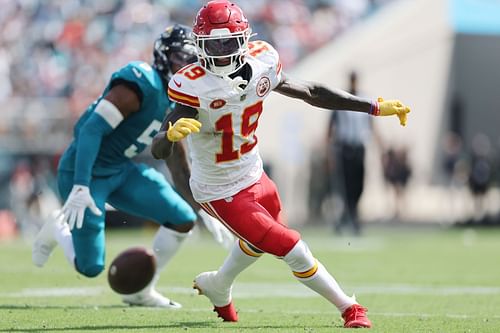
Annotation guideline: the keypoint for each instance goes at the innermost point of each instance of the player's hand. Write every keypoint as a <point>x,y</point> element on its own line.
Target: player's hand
<point>73,210</point>
<point>220,233</point>
<point>394,107</point>
<point>182,128</point>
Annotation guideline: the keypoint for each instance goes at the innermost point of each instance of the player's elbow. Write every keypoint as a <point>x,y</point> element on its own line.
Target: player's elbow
<point>319,96</point>
<point>91,270</point>
<point>157,152</point>
<point>161,148</point>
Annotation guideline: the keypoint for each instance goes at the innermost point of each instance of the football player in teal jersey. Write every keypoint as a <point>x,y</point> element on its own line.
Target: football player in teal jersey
<point>96,168</point>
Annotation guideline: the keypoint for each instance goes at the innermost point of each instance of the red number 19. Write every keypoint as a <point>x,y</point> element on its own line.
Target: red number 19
<point>248,127</point>
<point>191,72</point>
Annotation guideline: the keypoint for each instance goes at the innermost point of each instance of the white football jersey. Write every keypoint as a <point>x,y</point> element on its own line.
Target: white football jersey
<point>225,157</point>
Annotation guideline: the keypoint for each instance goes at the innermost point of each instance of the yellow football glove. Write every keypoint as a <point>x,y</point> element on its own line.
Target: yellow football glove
<point>182,128</point>
<point>393,107</point>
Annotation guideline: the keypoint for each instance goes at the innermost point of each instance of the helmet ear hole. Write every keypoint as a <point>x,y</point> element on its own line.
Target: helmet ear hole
<point>177,38</point>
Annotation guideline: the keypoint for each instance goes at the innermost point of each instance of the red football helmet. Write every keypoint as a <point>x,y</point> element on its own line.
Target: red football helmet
<point>221,33</point>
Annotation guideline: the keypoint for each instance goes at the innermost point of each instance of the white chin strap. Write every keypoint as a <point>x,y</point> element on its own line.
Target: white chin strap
<point>224,70</point>
<point>236,83</point>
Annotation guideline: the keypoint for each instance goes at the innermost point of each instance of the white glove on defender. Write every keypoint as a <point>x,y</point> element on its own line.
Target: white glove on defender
<point>220,233</point>
<point>74,208</point>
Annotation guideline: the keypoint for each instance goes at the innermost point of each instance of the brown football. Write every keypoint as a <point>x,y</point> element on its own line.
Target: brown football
<point>132,270</point>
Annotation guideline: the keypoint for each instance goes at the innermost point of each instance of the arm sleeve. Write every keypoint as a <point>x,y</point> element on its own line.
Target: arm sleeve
<point>89,143</point>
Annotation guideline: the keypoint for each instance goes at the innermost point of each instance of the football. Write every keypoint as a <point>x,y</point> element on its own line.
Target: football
<point>132,270</point>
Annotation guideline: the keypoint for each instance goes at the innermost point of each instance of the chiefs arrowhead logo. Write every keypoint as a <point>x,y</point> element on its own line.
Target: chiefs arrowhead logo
<point>178,84</point>
<point>217,104</point>
<point>263,86</point>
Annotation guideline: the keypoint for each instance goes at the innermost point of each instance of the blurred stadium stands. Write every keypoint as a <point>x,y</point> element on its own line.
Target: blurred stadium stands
<point>447,70</point>
<point>56,55</point>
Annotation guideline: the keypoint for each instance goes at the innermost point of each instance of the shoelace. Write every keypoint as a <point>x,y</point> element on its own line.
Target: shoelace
<point>356,310</point>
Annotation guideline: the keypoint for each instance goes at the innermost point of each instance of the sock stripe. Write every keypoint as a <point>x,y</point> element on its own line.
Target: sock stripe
<point>308,273</point>
<point>247,250</point>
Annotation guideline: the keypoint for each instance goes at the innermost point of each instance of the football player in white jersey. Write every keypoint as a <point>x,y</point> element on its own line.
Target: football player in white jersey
<point>219,102</point>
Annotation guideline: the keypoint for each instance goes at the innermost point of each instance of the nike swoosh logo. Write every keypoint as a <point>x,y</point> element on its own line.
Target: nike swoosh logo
<point>137,73</point>
<point>178,84</point>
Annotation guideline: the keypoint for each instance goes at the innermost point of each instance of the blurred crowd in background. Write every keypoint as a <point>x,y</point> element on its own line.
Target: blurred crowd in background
<point>57,55</point>
<point>68,48</point>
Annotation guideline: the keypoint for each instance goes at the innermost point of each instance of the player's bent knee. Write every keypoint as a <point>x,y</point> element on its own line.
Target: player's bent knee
<point>166,239</point>
<point>183,228</point>
<point>299,258</point>
<point>90,270</point>
<point>278,241</point>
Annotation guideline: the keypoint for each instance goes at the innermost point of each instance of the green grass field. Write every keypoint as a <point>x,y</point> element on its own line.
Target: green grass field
<point>412,280</point>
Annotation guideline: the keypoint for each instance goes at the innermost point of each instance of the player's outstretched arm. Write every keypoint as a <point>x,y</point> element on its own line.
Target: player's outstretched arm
<point>320,96</point>
<point>337,99</point>
<point>177,125</point>
<point>118,103</point>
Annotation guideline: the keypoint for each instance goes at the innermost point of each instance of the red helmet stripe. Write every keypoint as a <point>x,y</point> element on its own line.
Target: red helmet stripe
<point>219,14</point>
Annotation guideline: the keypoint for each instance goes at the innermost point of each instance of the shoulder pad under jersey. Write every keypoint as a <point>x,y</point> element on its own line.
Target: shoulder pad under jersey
<point>265,52</point>
<point>141,74</point>
<point>182,87</point>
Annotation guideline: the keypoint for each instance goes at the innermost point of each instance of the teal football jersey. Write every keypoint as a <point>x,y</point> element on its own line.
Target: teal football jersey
<point>134,133</point>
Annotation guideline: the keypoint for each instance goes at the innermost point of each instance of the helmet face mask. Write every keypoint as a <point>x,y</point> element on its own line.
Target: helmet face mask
<point>221,33</point>
<point>222,47</point>
<point>223,54</point>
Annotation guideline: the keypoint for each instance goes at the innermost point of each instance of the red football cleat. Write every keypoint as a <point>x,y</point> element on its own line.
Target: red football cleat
<point>227,313</point>
<point>355,317</point>
<point>220,296</point>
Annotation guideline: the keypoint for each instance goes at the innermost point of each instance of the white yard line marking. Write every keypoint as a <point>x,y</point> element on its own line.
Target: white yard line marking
<point>265,290</point>
<point>55,292</point>
<point>297,290</point>
<point>382,314</point>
